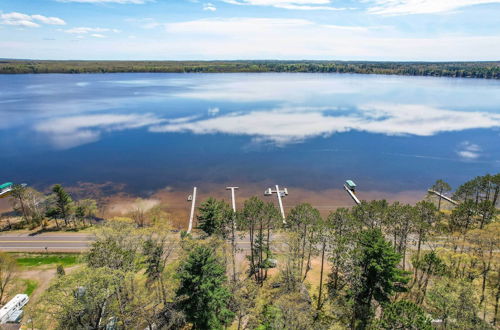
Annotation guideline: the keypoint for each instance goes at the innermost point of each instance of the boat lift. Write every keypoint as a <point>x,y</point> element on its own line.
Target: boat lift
<point>350,187</point>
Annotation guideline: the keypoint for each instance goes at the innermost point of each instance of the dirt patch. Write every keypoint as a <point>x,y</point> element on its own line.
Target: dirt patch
<point>43,277</point>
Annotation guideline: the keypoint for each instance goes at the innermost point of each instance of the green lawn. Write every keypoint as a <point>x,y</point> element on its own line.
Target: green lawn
<point>48,259</point>
<point>31,286</point>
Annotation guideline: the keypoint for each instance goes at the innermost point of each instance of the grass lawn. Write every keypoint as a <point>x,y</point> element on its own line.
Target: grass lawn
<point>31,286</point>
<point>33,260</point>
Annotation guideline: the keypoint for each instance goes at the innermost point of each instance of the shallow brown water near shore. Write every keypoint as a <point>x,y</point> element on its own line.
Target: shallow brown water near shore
<point>175,201</point>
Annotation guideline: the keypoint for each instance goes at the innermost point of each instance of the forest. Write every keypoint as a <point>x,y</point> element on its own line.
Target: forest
<point>488,70</point>
<point>377,265</point>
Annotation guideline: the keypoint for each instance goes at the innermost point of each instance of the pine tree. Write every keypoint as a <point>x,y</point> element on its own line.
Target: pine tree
<point>214,217</point>
<point>203,296</point>
<point>379,276</point>
<point>64,202</point>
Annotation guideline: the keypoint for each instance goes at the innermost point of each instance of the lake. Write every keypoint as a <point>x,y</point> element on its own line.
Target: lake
<point>311,132</point>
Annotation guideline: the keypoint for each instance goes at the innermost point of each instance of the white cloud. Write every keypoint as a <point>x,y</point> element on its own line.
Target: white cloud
<point>97,35</point>
<point>288,4</point>
<point>20,19</point>
<point>48,20</point>
<point>85,30</point>
<point>209,7</point>
<point>299,123</point>
<point>273,38</point>
<point>68,132</point>
<point>236,26</point>
<point>406,7</point>
<point>280,38</point>
<point>468,150</point>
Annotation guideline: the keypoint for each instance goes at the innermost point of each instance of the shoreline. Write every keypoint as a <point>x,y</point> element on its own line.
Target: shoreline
<point>174,201</point>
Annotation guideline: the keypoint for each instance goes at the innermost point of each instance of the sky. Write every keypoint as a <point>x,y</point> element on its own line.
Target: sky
<point>381,30</point>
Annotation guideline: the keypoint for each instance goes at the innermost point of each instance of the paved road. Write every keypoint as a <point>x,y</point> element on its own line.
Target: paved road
<point>60,242</point>
<point>47,242</point>
<point>76,242</point>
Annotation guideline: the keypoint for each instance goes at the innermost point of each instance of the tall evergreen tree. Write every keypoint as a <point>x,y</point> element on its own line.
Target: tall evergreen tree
<point>214,217</point>
<point>202,293</point>
<point>64,202</point>
<point>379,276</point>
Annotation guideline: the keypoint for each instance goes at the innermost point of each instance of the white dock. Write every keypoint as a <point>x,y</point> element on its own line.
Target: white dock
<point>443,197</point>
<point>353,196</point>
<point>192,198</point>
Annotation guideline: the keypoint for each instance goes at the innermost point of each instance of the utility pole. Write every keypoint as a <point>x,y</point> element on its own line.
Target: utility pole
<point>280,193</point>
<point>233,199</point>
<point>191,198</point>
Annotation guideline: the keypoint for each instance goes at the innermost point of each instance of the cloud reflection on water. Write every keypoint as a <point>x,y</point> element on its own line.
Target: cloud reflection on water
<point>268,108</point>
<point>279,126</point>
<point>68,132</point>
<point>295,124</point>
<point>468,150</point>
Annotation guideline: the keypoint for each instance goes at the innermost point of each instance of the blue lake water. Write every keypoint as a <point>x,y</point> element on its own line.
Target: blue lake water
<point>313,131</point>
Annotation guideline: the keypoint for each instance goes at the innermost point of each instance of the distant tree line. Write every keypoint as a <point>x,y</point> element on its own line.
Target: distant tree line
<point>487,70</point>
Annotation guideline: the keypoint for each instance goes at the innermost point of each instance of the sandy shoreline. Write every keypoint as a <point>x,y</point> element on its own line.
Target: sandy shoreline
<point>174,201</point>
